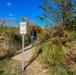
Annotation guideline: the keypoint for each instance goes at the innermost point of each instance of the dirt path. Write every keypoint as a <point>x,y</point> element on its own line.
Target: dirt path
<point>35,67</point>
<point>28,53</point>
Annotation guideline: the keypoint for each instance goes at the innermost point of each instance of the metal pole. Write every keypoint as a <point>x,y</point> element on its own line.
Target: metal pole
<point>22,52</point>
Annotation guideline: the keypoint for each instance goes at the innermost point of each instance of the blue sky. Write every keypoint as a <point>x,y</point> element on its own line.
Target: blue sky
<point>17,8</point>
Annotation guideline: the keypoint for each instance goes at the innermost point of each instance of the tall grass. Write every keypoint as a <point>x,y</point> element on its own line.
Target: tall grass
<point>12,40</point>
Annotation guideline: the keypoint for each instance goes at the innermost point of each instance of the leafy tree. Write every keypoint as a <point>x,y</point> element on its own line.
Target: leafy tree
<point>57,11</point>
<point>22,19</point>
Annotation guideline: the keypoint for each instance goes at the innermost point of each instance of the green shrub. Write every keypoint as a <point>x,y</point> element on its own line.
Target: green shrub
<point>53,54</point>
<point>61,71</point>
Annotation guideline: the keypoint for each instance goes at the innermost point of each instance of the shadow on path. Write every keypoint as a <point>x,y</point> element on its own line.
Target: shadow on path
<point>21,51</point>
<point>11,55</point>
<point>33,58</point>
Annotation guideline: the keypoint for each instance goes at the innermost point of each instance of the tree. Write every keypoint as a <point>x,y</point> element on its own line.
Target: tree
<point>57,11</point>
<point>22,19</point>
<point>30,21</point>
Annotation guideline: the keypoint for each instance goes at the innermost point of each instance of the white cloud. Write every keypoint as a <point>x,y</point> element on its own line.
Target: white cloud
<point>11,15</point>
<point>9,4</point>
<point>12,18</point>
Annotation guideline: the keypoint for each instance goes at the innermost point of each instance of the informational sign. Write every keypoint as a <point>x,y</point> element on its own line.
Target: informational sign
<point>22,31</point>
<point>22,27</point>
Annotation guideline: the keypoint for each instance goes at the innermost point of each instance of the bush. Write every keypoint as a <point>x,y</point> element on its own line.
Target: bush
<point>44,36</point>
<point>53,54</point>
<point>12,40</point>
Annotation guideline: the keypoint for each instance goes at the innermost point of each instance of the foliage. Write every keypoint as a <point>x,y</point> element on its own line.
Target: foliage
<point>43,37</point>
<point>22,19</point>
<point>38,28</point>
<point>58,49</point>
<point>56,12</point>
<point>11,40</point>
<point>53,55</point>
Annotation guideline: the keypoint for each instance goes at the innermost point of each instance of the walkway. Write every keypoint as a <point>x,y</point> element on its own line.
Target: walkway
<point>28,53</point>
<point>31,67</point>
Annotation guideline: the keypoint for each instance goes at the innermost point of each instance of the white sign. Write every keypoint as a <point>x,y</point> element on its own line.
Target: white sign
<point>22,27</point>
<point>22,31</point>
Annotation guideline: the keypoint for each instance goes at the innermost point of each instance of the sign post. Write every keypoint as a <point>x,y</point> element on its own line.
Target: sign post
<point>22,31</point>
